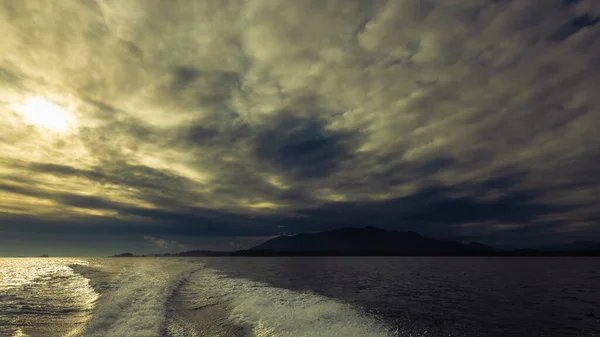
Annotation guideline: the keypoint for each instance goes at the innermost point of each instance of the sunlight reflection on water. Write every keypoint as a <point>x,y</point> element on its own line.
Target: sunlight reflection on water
<point>15,272</point>
<point>43,296</point>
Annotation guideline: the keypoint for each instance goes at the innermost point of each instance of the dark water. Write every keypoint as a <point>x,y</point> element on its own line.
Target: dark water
<point>300,297</point>
<point>447,296</point>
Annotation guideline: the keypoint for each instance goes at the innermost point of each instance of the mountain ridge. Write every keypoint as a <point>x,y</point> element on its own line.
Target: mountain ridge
<point>368,240</point>
<point>372,241</point>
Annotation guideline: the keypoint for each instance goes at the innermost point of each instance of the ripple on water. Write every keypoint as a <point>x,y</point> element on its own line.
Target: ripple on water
<point>43,297</point>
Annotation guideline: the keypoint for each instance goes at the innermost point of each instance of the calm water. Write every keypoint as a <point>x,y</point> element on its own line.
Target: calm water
<point>268,297</point>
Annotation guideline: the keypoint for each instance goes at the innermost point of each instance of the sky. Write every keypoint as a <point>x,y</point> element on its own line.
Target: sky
<point>147,125</point>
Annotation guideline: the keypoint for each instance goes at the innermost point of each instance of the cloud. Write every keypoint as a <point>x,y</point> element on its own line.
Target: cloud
<point>485,207</point>
<point>164,246</point>
<point>222,117</point>
<point>302,148</point>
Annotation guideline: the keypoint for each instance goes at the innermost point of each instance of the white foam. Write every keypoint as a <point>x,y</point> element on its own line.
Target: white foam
<point>20,333</point>
<point>274,312</point>
<point>136,305</point>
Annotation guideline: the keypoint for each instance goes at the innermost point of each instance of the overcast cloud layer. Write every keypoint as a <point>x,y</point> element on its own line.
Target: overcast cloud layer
<point>472,119</point>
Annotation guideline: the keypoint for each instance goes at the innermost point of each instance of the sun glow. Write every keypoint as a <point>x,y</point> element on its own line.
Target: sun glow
<point>46,114</point>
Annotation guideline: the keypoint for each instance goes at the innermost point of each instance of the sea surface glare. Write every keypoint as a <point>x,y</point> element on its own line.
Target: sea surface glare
<point>300,296</point>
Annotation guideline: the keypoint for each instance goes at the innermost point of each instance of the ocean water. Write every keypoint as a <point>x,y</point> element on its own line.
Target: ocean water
<point>297,296</point>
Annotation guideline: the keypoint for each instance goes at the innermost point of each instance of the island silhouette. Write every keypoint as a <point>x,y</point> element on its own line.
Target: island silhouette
<point>372,241</point>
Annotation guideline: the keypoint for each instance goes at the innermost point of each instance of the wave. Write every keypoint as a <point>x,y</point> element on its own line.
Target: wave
<point>134,296</point>
<point>44,297</point>
<point>268,311</point>
<point>179,298</point>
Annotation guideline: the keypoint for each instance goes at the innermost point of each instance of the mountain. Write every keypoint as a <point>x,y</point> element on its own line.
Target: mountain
<point>191,253</point>
<point>575,246</point>
<point>375,241</point>
<point>194,253</point>
<point>124,255</point>
<point>480,247</point>
<point>367,241</point>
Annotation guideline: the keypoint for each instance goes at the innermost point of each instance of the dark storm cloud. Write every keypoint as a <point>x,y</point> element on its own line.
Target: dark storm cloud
<point>137,176</point>
<point>438,210</point>
<point>63,170</point>
<point>216,118</point>
<point>573,26</point>
<point>132,219</point>
<point>67,199</point>
<point>392,171</point>
<point>302,148</point>
<point>191,223</point>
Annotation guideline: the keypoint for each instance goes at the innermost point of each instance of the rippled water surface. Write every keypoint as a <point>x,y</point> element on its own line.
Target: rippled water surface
<point>43,297</point>
<point>293,297</point>
<point>448,296</point>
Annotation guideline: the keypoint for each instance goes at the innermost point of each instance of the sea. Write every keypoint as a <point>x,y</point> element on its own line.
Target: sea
<point>300,296</point>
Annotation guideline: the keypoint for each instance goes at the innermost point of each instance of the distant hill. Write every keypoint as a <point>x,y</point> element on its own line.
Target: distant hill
<point>191,253</point>
<point>194,253</point>
<point>573,247</point>
<point>476,246</point>
<point>380,242</point>
<point>368,241</point>
<point>124,255</point>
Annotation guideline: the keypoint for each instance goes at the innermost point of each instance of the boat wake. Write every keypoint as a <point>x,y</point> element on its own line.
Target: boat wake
<point>183,298</point>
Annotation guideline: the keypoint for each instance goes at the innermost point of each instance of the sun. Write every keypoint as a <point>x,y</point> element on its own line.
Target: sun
<point>46,114</point>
